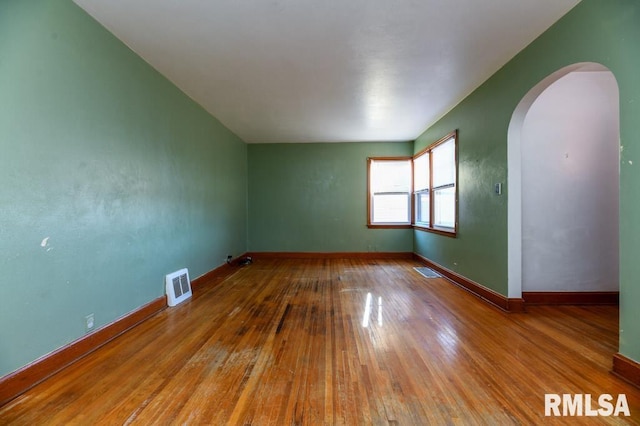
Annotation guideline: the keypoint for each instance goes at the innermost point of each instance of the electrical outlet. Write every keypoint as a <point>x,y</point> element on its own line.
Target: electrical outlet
<point>89,322</point>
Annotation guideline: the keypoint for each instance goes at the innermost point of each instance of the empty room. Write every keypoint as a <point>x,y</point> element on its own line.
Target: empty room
<point>297,212</point>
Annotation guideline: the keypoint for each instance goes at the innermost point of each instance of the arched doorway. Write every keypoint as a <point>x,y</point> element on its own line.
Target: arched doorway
<point>557,127</point>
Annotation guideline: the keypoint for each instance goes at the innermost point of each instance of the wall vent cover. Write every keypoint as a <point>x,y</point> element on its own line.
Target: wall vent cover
<point>178,287</point>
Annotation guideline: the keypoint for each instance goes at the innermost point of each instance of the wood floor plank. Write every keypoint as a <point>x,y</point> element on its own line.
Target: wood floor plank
<point>337,342</point>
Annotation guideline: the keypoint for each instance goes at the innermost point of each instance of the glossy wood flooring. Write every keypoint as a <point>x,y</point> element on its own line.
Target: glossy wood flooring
<point>287,342</point>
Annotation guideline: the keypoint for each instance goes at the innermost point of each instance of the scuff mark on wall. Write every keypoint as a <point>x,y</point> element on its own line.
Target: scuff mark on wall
<point>45,244</point>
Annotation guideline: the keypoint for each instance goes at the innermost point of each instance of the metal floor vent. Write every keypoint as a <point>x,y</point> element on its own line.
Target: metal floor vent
<point>427,272</point>
<point>178,287</point>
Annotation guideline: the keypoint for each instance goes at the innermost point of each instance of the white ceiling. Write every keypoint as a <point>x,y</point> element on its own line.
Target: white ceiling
<point>327,71</point>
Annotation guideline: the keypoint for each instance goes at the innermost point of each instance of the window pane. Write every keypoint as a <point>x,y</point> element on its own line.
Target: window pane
<point>421,172</point>
<point>391,176</point>
<point>422,207</point>
<point>444,164</point>
<point>390,208</point>
<point>444,207</point>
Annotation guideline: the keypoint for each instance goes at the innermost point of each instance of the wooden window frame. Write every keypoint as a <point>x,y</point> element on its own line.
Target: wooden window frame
<point>430,227</point>
<point>408,225</point>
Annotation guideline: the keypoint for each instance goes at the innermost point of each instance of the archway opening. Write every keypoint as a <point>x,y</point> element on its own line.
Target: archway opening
<point>563,171</point>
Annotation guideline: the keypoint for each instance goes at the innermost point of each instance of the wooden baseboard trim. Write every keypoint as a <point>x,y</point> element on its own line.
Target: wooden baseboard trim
<point>332,255</point>
<point>218,274</point>
<point>515,304</point>
<point>626,369</point>
<point>571,298</point>
<point>18,382</point>
<point>486,294</point>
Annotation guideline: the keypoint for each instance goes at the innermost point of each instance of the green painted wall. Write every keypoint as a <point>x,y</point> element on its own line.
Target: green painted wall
<point>602,31</point>
<point>110,179</point>
<point>313,198</point>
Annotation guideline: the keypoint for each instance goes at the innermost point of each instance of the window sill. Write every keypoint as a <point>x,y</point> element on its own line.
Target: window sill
<point>389,226</point>
<point>447,232</point>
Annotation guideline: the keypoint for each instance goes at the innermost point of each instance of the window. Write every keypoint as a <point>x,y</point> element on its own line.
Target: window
<point>418,191</point>
<point>434,194</point>
<point>389,200</point>
<point>421,182</point>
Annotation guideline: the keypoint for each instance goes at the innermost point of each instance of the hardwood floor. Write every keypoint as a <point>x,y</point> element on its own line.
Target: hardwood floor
<point>287,342</point>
